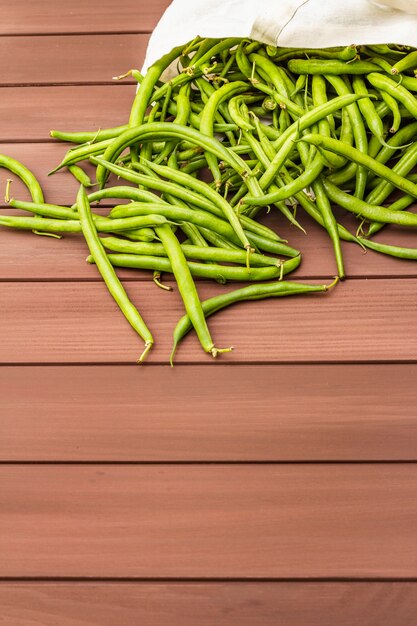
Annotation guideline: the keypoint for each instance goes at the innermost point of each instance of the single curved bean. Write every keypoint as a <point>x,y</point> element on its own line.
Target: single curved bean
<point>109,275</point>
<point>25,175</point>
<point>252,292</point>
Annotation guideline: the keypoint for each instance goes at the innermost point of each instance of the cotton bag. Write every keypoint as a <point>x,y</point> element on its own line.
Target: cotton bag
<point>287,23</point>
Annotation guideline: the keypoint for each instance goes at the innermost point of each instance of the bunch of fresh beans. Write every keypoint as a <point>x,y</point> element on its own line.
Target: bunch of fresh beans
<point>239,130</point>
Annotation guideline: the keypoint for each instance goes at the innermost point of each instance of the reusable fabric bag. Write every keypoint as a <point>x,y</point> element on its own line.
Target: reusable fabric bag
<point>287,23</point>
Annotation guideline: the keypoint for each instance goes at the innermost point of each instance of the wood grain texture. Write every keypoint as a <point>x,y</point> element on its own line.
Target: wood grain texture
<point>51,16</point>
<point>276,521</point>
<point>71,59</point>
<point>266,413</point>
<point>234,604</point>
<point>29,113</point>
<point>80,323</point>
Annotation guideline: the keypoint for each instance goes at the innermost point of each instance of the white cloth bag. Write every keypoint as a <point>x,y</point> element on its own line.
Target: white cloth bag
<point>288,23</point>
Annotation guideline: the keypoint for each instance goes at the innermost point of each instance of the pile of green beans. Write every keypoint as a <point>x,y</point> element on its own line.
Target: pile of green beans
<point>241,129</point>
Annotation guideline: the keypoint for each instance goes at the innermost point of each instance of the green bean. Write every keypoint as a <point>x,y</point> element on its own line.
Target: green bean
<point>252,292</point>
<point>187,289</point>
<point>103,224</point>
<point>192,233</point>
<point>122,192</point>
<point>368,211</point>
<point>234,105</point>
<point>318,91</point>
<point>183,112</point>
<point>284,144</point>
<point>144,93</point>
<point>108,274</point>
<point>358,157</point>
<point>89,136</point>
<point>402,167</point>
<point>397,91</point>
<point>143,235</point>
<point>304,180</point>
<point>203,270</point>
<point>46,210</point>
<point>270,72</point>
<point>334,67</point>
<point>348,53</point>
<point>25,176</point>
<point>83,152</point>
<point>408,82</point>
<point>409,61</point>
<point>311,209</point>
<point>207,118</point>
<point>395,110</point>
<point>396,251</point>
<point>177,214</point>
<point>399,205</point>
<point>217,240</point>
<point>367,108</point>
<point>330,224</point>
<point>80,176</point>
<point>203,253</point>
<point>358,128</point>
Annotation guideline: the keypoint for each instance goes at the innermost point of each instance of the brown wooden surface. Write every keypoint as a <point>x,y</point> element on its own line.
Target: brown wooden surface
<point>234,604</point>
<point>290,461</point>
<point>21,17</point>
<point>45,60</point>
<point>192,521</point>
<point>354,412</point>
<point>351,323</point>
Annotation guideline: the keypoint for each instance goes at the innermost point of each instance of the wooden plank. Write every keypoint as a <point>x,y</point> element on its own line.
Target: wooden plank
<point>210,521</point>
<point>324,413</point>
<point>29,113</point>
<point>237,604</point>
<point>72,59</point>
<point>361,320</point>
<point>21,17</point>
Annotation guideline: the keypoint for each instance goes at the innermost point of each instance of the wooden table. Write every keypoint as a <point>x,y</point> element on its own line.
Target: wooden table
<point>277,486</point>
